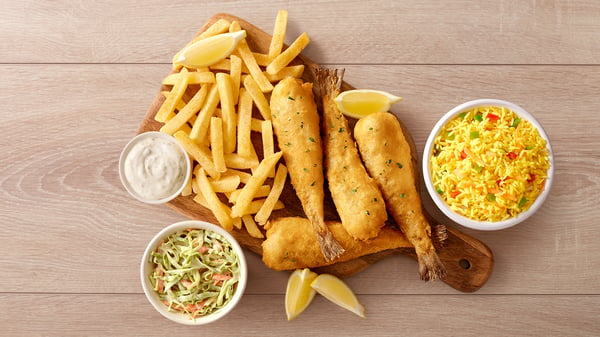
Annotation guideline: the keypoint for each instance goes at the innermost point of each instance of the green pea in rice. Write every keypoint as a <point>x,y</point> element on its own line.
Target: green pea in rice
<point>488,164</point>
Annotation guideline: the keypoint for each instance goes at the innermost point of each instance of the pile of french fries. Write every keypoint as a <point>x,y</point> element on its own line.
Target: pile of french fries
<point>212,112</point>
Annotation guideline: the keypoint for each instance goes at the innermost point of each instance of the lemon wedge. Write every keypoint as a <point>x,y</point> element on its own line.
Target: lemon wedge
<point>209,51</point>
<point>299,293</point>
<point>338,292</point>
<point>361,102</point>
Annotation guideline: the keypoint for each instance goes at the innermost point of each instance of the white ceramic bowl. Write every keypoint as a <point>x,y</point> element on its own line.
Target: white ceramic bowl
<point>163,138</point>
<point>443,206</point>
<point>147,267</point>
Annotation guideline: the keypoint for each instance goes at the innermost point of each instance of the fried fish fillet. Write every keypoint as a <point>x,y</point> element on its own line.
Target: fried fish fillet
<point>357,198</point>
<point>388,158</point>
<point>296,124</point>
<point>290,245</point>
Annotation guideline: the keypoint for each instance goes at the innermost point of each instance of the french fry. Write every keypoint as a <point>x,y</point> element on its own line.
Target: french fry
<point>225,64</point>
<point>201,154</point>
<point>244,176</point>
<point>200,127</point>
<point>220,210</point>
<point>168,106</point>
<point>244,142</point>
<point>262,60</point>
<point>257,204</point>
<point>190,109</point>
<point>253,67</point>
<point>278,37</point>
<point>268,142</point>
<point>289,71</point>
<point>188,190</point>
<point>258,178</point>
<point>278,183</point>
<point>226,184</point>
<point>235,161</point>
<point>220,26</point>
<point>216,143</point>
<point>262,192</point>
<point>256,125</point>
<point>251,227</point>
<point>228,111</point>
<point>236,76</point>
<point>289,54</point>
<point>258,97</point>
<point>193,78</point>
<point>199,198</point>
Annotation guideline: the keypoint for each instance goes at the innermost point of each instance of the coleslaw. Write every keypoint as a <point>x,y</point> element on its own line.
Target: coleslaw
<point>196,271</point>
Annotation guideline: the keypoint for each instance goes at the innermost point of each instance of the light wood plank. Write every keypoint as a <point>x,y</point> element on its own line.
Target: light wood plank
<point>264,315</point>
<point>60,193</point>
<point>407,32</point>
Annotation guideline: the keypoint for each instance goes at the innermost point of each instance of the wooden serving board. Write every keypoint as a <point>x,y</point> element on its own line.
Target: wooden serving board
<point>468,261</point>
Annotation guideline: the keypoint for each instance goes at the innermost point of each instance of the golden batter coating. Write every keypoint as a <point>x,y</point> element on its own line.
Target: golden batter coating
<point>388,157</point>
<point>296,124</point>
<point>290,244</point>
<point>357,198</point>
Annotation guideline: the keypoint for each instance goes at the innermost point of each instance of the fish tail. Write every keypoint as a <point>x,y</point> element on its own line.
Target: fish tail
<point>431,267</point>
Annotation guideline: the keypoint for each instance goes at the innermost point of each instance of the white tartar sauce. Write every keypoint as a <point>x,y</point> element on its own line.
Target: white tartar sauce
<point>155,168</point>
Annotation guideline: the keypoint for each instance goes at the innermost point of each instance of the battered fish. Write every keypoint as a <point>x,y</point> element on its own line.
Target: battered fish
<point>296,125</point>
<point>388,158</point>
<point>289,244</point>
<point>357,198</point>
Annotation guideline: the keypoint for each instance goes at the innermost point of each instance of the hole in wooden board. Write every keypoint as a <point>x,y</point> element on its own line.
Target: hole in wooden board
<point>464,264</point>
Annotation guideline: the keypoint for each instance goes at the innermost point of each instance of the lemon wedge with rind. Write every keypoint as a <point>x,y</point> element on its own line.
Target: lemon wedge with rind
<point>338,292</point>
<point>359,103</point>
<point>206,52</point>
<point>299,293</point>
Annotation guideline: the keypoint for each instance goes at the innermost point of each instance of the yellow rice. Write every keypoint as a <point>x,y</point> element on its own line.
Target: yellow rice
<point>488,164</point>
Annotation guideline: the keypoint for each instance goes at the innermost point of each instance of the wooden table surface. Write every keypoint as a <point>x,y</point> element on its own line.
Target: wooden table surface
<point>78,77</point>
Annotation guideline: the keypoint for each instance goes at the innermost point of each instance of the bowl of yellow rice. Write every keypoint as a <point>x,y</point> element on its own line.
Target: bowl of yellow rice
<point>488,164</point>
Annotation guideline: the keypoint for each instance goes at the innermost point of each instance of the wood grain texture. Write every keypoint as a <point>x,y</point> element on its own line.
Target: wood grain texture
<point>407,32</point>
<point>77,77</point>
<point>489,315</point>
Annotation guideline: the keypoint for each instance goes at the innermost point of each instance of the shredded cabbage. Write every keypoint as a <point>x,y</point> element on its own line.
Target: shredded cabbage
<point>196,272</point>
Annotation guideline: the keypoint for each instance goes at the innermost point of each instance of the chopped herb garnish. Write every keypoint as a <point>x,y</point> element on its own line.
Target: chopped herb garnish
<point>291,98</point>
<point>478,117</point>
<point>367,212</point>
<point>439,190</point>
<point>354,190</point>
<point>312,139</point>
<point>474,134</point>
<point>403,195</point>
<point>491,197</point>
<point>399,165</point>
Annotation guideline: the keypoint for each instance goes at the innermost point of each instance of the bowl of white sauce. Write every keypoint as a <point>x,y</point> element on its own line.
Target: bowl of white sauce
<point>154,168</point>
